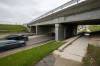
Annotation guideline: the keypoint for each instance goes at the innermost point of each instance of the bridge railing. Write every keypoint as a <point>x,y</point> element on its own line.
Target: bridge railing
<point>66,5</point>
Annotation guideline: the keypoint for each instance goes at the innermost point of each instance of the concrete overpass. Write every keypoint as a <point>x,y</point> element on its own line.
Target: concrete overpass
<point>63,21</point>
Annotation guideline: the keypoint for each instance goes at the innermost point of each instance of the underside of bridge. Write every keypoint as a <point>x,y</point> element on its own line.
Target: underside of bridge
<point>61,31</point>
<point>86,22</point>
<point>33,29</point>
<point>63,24</point>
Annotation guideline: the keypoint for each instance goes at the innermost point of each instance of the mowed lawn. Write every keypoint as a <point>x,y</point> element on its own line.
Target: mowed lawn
<point>4,28</point>
<point>94,28</point>
<point>30,57</point>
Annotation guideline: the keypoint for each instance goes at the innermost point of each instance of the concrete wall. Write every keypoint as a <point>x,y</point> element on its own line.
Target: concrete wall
<point>63,31</point>
<point>70,30</point>
<point>44,29</point>
<point>33,29</point>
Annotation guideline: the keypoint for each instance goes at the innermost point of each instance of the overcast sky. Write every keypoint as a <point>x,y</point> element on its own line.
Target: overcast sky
<point>23,11</point>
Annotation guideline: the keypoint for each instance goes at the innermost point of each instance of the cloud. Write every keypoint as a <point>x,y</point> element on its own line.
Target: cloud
<point>23,11</point>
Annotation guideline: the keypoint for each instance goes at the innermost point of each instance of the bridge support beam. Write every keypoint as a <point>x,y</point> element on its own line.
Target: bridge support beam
<point>59,32</point>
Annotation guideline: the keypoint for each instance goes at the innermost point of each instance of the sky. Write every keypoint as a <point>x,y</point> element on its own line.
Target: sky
<point>24,11</point>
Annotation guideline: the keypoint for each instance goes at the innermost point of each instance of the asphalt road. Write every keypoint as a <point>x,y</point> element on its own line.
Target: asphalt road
<point>34,41</point>
<point>38,39</point>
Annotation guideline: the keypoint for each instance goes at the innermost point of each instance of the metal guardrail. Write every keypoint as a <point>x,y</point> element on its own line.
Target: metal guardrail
<point>66,5</point>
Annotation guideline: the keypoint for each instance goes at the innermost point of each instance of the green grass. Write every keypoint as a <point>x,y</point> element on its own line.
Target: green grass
<point>93,56</point>
<point>30,57</point>
<point>94,28</point>
<point>4,28</point>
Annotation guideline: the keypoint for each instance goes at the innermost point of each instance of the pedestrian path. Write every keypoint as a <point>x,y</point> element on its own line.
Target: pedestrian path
<point>73,54</point>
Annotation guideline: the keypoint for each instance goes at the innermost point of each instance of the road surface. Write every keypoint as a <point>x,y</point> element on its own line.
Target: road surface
<point>34,41</point>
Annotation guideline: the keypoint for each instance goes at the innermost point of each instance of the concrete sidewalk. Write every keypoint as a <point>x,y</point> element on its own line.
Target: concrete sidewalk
<point>73,54</point>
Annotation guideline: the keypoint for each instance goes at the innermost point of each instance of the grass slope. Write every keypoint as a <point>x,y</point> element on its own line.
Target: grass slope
<point>11,28</point>
<point>93,56</point>
<point>30,57</point>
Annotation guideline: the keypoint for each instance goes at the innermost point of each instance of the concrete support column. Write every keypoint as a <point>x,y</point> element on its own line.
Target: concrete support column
<point>59,32</point>
<point>36,30</point>
<point>39,30</point>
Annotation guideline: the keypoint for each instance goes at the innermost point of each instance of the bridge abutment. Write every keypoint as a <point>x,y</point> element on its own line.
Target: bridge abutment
<point>44,29</point>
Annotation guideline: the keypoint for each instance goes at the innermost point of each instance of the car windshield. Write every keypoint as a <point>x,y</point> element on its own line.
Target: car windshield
<point>15,38</point>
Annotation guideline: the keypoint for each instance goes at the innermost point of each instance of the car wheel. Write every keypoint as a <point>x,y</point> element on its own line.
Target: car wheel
<point>23,45</point>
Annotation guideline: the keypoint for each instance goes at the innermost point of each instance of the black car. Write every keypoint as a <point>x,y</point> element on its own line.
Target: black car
<point>9,44</point>
<point>17,37</point>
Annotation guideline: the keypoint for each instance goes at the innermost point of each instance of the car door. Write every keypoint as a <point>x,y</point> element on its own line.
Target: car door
<point>11,44</point>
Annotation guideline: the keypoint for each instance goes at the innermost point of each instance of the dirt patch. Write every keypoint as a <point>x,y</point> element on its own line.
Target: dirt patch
<point>95,40</point>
